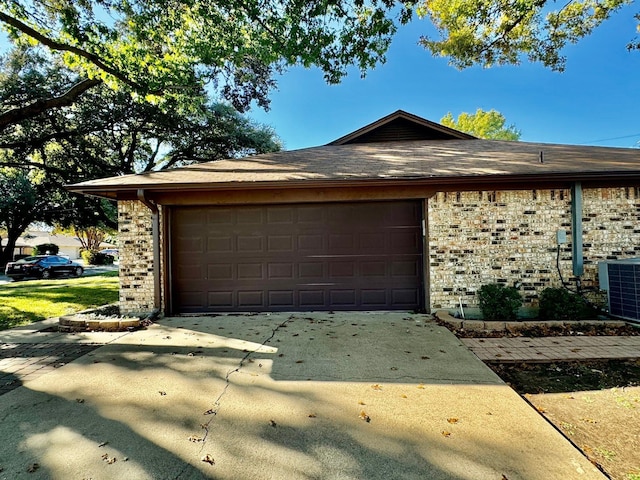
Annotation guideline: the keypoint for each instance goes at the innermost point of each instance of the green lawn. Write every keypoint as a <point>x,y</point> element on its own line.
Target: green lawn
<point>30,301</point>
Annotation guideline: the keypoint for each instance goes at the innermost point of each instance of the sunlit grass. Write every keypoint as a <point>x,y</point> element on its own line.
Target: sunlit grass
<point>31,301</point>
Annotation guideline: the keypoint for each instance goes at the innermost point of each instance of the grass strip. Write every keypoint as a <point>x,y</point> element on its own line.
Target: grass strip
<point>25,302</point>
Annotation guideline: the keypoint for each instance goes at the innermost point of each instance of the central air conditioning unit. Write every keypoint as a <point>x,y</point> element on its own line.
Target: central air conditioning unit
<point>621,280</point>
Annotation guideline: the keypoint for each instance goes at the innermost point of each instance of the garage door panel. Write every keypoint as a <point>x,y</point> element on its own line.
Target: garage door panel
<point>281,271</point>
<point>191,244</point>
<point>219,218</point>
<point>297,257</point>
<point>342,269</point>
<point>251,271</point>
<point>249,216</point>
<point>404,296</point>
<point>280,215</point>
<point>251,299</point>
<point>310,270</point>
<point>219,299</point>
<point>312,298</point>
<point>405,268</point>
<point>280,243</point>
<point>282,299</point>
<point>223,271</point>
<point>343,298</point>
<point>219,244</point>
<point>311,242</point>
<point>373,269</point>
<point>249,244</point>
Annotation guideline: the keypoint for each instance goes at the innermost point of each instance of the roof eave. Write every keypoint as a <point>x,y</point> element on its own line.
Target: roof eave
<point>442,183</point>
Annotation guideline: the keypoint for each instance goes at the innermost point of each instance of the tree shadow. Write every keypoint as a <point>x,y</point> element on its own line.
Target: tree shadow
<point>150,395</point>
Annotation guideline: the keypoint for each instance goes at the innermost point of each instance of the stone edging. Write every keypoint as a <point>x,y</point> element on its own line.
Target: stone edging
<point>84,321</point>
<point>481,325</point>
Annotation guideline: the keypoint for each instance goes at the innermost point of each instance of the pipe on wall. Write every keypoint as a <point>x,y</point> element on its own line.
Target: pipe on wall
<point>155,217</point>
<point>576,229</point>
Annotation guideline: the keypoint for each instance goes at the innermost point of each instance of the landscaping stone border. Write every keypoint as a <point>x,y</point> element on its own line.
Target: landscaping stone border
<point>481,325</point>
<point>88,320</point>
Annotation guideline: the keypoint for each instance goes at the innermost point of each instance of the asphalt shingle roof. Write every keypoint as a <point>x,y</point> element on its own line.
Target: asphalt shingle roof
<point>430,160</point>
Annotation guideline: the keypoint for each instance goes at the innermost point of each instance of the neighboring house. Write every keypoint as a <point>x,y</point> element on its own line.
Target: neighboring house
<point>402,214</point>
<point>21,247</point>
<point>69,246</point>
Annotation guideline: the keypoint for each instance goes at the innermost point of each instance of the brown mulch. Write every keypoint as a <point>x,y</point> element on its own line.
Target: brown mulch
<point>543,330</point>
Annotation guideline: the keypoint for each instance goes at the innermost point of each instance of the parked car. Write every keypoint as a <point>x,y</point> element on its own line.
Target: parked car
<point>43,266</point>
<point>111,252</point>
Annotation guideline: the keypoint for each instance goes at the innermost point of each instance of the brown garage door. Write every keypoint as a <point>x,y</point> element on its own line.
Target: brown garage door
<point>337,256</point>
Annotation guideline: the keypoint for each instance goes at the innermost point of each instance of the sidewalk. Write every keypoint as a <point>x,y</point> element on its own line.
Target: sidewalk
<point>553,349</point>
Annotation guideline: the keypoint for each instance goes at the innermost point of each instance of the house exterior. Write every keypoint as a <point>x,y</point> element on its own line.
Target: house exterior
<point>69,246</point>
<point>402,214</point>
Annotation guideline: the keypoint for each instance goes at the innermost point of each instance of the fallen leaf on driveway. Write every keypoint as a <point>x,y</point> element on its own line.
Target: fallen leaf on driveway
<point>312,415</point>
<point>452,420</point>
<point>376,387</point>
<point>363,415</point>
<point>446,434</point>
<point>108,459</point>
<point>80,400</point>
<point>195,439</point>
<point>273,424</point>
<point>208,459</point>
<point>162,393</point>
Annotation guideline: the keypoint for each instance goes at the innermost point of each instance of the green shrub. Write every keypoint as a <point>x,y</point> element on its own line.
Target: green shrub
<point>561,304</point>
<point>499,303</point>
<point>46,249</point>
<point>92,257</point>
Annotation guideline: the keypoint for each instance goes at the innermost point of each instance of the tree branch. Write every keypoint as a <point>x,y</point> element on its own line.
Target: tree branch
<point>59,46</point>
<point>41,105</point>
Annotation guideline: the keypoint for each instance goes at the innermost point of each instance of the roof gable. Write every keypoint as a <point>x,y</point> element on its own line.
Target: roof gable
<point>401,126</point>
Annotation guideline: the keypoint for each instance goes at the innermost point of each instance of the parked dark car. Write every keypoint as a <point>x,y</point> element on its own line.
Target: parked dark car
<point>110,252</point>
<point>43,266</point>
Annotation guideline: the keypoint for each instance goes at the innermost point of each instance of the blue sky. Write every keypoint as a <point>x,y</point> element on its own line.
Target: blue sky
<point>597,98</point>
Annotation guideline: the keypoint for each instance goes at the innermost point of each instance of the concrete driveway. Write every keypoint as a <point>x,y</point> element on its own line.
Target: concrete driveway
<point>322,396</point>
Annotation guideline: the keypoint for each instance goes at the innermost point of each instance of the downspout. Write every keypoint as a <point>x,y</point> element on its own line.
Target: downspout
<point>576,231</point>
<point>155,217</point>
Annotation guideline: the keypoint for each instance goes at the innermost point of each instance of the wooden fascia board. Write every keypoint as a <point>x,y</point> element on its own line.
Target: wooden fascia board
<point>458,183</point>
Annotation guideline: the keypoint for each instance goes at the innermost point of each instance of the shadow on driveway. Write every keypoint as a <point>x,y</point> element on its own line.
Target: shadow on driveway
<point>348,396</point>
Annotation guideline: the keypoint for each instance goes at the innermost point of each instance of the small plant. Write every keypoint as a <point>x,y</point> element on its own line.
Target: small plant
<point>499,303</point>
<point>46,249</point>
<point>561,304</point>
<point>91,257</point>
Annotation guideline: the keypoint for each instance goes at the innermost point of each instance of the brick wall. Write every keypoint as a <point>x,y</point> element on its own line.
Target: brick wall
<point>475,238</point>
<point>509,237</point>
<point>136,258</point>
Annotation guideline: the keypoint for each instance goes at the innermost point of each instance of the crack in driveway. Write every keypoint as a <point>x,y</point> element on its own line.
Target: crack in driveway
<point>217,404</point>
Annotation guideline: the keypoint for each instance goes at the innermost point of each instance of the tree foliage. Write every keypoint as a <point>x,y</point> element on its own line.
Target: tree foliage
<point>104,133</point>
<point>164,51</point>
<point>497,32</point>
<point>482,124</point>
<point>167,51</point>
